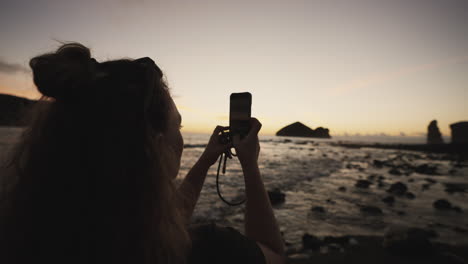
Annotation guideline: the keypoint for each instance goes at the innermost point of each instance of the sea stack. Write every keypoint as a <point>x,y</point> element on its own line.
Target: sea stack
<point>433,134</point>
<point>459,132</point>
<point>298,129</point>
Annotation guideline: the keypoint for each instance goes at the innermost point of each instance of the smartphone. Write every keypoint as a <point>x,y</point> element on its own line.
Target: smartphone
<point>239,113</point>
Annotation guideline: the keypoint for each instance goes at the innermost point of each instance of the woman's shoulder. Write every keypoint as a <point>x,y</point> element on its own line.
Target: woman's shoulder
<point>212,243</point>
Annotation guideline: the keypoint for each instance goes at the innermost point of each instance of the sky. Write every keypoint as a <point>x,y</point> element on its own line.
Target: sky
<point>369,67</point>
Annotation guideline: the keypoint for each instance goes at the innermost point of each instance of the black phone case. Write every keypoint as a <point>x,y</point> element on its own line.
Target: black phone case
<point>239,113</point>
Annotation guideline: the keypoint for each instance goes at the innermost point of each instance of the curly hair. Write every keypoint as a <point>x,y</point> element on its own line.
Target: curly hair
<point>88,182</point>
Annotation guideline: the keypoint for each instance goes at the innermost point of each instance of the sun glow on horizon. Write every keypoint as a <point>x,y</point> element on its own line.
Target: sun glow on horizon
<point>354,67</point>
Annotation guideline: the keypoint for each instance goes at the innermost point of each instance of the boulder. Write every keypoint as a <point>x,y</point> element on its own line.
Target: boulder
<point>372,210</point>
<point>363,184</point>
<point>408,241</point>
<point>426,169</point>
<point>389,200</point>
<point>410,195</point>
<point>341,240</point>
<point>395,171</point>
<point>311,242</point>
<point>378,163</point>
<point>455,187</point>
<point>318,209</point>
<point>459,132</point>
<point>433,134</point>
<point>425,186</point>
<point>442,204</point>
<point>398,188</point>
<point>276,197</point>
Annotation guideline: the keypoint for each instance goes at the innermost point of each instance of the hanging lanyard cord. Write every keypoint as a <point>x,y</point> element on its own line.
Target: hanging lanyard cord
<point>224,156</point>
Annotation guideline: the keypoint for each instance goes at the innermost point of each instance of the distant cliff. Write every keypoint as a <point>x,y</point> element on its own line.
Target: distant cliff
<point>12,109</point>
<point>300,130</point>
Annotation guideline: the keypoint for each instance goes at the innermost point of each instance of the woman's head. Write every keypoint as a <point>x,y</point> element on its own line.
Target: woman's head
<point>96,166</point>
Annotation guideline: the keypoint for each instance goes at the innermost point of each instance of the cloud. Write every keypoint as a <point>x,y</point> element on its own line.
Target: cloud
<point>6,67</point>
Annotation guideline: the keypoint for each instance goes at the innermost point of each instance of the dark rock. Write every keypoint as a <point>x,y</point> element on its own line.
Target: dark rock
<point>381,178</point>
<point>342,240</point>
<point>426,169</point>
<point>411,180</point>
<point>334,248</point>
<point>408,241</point>
<point>442,204</point>
<point>276,197</point>
<point>455,187</point>
<point>425,186</point>
<point>318,209</point>
<point>433,134</point>
<point>298,129</point>
<point>410,195</point>
<point>342,189</point>
<point>459,132</point>
<point>330,201</point>
<point>429,180</point>
<point>401,213</point>
<point>378,163</point>
<point>457,209</point>
<point>395,171</point>
<point>389,200</point>
<point>363,184</point>
<point>311,242</point>
<point>371,210</point>
<point>398,188</point>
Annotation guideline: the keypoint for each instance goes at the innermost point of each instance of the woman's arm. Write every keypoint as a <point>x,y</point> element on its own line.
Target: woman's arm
<point>260,222</point>
<point>192,185</point>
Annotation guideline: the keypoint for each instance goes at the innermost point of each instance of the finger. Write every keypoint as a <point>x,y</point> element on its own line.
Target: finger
<point>235,140</point>
<point>218,129</point>
<point>255,127</point>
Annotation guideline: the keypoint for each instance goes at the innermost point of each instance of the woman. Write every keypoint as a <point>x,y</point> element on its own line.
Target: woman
<point>92,180</point>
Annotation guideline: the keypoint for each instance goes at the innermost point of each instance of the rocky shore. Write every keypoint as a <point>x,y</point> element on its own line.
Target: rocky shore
<point>445,148</point>
<point>373,249</point>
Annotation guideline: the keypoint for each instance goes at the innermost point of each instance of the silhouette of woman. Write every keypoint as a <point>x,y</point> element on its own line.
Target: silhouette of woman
<point>92,179</point>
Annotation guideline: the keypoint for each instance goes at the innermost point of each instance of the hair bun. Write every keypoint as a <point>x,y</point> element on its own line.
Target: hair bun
<point>63,73</point>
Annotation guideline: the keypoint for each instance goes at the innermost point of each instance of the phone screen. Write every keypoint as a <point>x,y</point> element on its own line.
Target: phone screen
<point>239,114</point>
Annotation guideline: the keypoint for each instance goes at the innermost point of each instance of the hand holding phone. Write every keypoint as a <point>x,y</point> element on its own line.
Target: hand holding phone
<point>248,148</point>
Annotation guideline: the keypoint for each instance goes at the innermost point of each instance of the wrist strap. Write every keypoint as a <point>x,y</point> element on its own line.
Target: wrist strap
<point>225,155</point>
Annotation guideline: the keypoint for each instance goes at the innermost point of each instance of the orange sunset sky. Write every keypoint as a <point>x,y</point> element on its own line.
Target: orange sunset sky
<point>367,67</point>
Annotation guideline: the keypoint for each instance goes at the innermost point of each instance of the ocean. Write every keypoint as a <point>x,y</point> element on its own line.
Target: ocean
<point>316,173</point>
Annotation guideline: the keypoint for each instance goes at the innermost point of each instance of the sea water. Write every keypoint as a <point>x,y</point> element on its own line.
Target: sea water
<point>310,173</point>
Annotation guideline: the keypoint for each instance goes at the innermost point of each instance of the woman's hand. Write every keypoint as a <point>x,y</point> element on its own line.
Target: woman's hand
<point>214,148</point>
<point>248,148</point>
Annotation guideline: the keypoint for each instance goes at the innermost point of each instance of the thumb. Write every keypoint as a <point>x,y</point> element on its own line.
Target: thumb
<point>255,127</point>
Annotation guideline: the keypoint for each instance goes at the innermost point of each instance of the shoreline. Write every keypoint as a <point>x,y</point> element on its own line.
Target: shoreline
<point>446,148</point>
